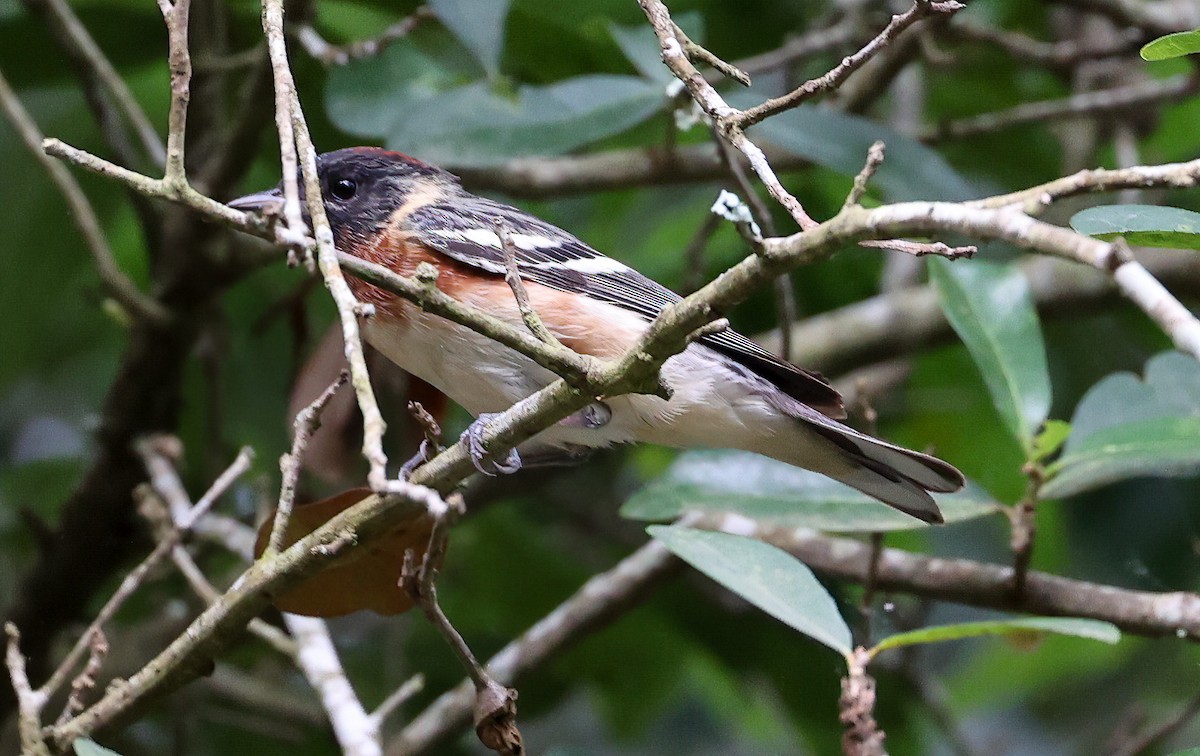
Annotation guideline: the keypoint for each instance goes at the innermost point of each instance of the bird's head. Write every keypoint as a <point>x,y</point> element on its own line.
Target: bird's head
<point>361,186</point>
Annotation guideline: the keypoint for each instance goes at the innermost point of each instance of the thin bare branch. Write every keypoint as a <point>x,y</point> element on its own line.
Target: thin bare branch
<point>114,279</point>
<point>307,421</point>
<point>29,701</point>
<point>601,599</point>
<point>495,705</point>
<point>86,679</point>
<point>875,155</point>
<point>356,731</point>
<point>831,80</point>
<point>1127,97</point>
<point>99,75</point>
<point>339,55</point>
<point>179,60</point>
<point>512,277</point>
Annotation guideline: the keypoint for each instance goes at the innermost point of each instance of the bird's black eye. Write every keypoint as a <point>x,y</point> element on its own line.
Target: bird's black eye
<point>343,189</point>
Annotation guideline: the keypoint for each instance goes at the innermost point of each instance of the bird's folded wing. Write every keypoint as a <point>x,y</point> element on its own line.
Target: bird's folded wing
<point>548,255</point>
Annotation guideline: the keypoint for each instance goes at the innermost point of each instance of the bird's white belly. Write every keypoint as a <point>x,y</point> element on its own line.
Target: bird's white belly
<point>710,406</point>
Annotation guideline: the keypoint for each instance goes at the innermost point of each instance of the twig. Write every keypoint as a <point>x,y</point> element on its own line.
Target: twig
<point>1023,518</point>
<point>1024,49</point>
<point>907,320</point>
<point>810,43</point>
<point>495,704</point>
<point>184,516</point>
<point>730,123</point>
<point>693,253</point>
<point>298,157</point>
<point>1028,233</point>
<point>114,279</point>
<point>1174,614</point>
<point>100,76</point>
<point>866,605</point>
<point>191,653</point>
<point>875,155</point>
<point>512,276</point>
<point>86,679</point>
<point>397,698</point>
<point>856,709</point>
<point>156,511</point>
<point>785,295</point>
<point>285,102</point>
<point>356,731</point>
<point>1164,730</point>
<point>29,701</point>
<point>1125,97</point>
<point>701,54</point>
<point>537,177</point>
<point>921,249</point>
<point>838,74</point>
<point>340,55</point>
<point>179,60</point>
<point>266,632</point>
<point>307,421</point>
<point>1156,17</point>
<point>601,599</point>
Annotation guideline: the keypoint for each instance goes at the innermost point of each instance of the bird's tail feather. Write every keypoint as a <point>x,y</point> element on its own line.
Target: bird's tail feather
<point>896,476</point>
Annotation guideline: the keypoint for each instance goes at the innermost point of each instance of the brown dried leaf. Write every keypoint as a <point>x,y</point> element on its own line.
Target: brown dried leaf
<point>369,576</point>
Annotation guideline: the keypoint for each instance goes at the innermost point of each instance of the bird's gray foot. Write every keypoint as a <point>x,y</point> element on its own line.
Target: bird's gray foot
<point>480,457</point>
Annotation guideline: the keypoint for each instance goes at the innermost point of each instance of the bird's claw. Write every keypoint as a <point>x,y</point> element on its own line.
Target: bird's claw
<point>424,453</point>
<point>481,458</point>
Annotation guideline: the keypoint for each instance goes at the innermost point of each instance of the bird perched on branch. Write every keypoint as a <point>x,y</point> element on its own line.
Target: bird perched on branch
<point>726,391</point>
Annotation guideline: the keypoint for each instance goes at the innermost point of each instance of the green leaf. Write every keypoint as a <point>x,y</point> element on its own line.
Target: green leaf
<point>363,95</point>
<point>768,577</point>
<point>839,141</point>
<point>1051,438</point>
<point>990,308</point>
<point>478,24</point>
<point>1163,447</point>
<point>1143,225</point>
<point>777,494</point>
<point>1172,46</point>
<point>1125,427</point>
<point>86,747</point>
<point>1080,628</point>
<point>474,125</point>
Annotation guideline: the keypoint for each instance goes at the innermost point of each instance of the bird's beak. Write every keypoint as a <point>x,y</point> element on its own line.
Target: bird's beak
<point>259,202</point>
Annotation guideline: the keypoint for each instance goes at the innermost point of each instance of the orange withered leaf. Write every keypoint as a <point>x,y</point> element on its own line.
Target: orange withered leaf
<point>370,576</point>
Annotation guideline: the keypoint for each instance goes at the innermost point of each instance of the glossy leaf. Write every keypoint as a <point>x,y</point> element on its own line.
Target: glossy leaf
<point>478,24</point>
<point>1172,46</point>
<point>766,576</point>
<point>363,95</point>
<point>88,747</point>
<point>1143,225</point>
<point>1023,626</point>
<point>839,141</point>
<point>1163,447</point>
<point>1126,427</point>
<point>474,125</point>
<point>778,494</point>
<point>990,307</point>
